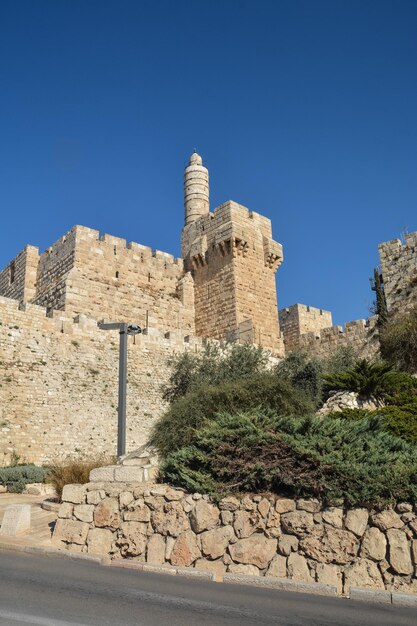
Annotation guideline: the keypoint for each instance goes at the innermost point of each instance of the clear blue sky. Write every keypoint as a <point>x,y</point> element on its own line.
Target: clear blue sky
<point>305,111</point>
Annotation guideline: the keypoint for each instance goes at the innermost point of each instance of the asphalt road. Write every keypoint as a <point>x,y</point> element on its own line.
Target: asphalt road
<point>53,591</point>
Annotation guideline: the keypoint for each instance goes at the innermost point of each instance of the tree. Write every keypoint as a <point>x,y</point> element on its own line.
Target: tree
<point>380,304</point>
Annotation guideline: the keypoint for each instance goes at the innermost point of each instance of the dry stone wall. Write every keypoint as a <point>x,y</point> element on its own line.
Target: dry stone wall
<point>58,383</point>
<point>254,535</point>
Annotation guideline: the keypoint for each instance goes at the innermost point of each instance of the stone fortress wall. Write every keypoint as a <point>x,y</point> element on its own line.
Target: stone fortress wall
<point>399,271</point>
<point>104,277</point>
<point>310,330</point>
<point>58,371</point>
<point>58,383</point>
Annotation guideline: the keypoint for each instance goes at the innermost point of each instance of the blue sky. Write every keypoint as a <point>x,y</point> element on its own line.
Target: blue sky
<point>305,111</point>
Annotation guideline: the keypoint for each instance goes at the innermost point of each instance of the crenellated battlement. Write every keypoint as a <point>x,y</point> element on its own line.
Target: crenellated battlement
<point>233,258</point>
<point>358,335</point>
<point>119,245</point>
<point>59,370</point>
<point>30,315</point>
<point>399,271</point>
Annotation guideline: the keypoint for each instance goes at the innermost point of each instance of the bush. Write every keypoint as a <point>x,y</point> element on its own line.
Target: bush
<point>344,358</point>
<point>351,414</point>
<point>399,415</point>
<point>177,426</point>
<point>303,373</point>
<point>398,340</point>
<point>216,364</point>
<point>74,471</point>
<point>365,378</point>
<point>356,462</point>
<point>15,478</point>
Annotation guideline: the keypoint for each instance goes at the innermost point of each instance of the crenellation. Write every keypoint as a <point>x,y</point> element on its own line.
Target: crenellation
<point>399,272</point>
<point>58,370</point>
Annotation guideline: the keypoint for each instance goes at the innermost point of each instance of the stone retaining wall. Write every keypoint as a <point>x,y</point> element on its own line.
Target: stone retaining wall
<point>253,535</point>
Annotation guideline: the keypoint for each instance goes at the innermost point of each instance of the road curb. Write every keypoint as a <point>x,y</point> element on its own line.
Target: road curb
<point>283,584</point>
<point>374,596</point>
<point>370,595</point>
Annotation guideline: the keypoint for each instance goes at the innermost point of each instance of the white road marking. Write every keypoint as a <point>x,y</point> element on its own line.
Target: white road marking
<point>23,618</point>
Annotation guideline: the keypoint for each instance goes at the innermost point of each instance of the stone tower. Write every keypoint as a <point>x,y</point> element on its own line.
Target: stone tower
<point>233,260</point>
<point>196,189</point>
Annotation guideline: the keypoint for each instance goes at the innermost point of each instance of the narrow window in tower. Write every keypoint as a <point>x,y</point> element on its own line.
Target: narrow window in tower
<point>117,274</point>
<point>12,272</point>
<point>149,278</point>
<point>115,250</point>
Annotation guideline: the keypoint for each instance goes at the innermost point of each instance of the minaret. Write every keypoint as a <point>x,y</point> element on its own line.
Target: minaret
<point>196,189</point>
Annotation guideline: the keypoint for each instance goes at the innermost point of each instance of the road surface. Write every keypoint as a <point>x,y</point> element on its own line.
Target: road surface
<point>54,591</point>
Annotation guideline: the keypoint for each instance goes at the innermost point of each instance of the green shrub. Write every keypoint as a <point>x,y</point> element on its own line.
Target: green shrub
<point>398,340</point>
<point>344,358</point>
<point>356,462</point>
<point>74,471</point>
<point>17,476</point>
<point>177,426</point>
<point>365,378</point>
<point>303,373</point>
<point>351,414</point>
<point>215,365</point>
<point>401,416</point>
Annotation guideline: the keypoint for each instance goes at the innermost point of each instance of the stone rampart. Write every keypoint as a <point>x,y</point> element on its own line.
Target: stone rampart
<point>254,535</point>
<point>58,383</point>
<point>300,319</point>
<point>399,272</point>
<point>360,335</point>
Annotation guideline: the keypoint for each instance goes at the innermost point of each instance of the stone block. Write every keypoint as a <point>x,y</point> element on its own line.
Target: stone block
<point>128,473</point>
<point>155,551</point>
<point>74,493</point>
<point>204,516</point>
<point>255,550</point>
<point>99,541</point>
<point>16,520</point>
<point>84,512</point>
<point>70,531</point>
<point>356,521</point>
<point>102,474</point>
<point>106,514</point>
<point>185,550</point>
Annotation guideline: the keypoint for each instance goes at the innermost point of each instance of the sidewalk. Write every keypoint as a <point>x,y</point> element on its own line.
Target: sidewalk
<point>41,521</point>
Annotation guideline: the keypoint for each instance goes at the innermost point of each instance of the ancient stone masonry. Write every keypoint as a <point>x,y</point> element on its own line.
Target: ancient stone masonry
<point>233,260</point>
<point>255,535</point>
<point>103,277</point>
<point>311,330</point>
<point>399,272</point>
<point>58,371</point>
<point>298,320</point>
<point>58,383</point>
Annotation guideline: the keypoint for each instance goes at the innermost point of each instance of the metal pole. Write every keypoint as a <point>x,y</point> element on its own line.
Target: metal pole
<point>124,331</point>
<point>121,417</point>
